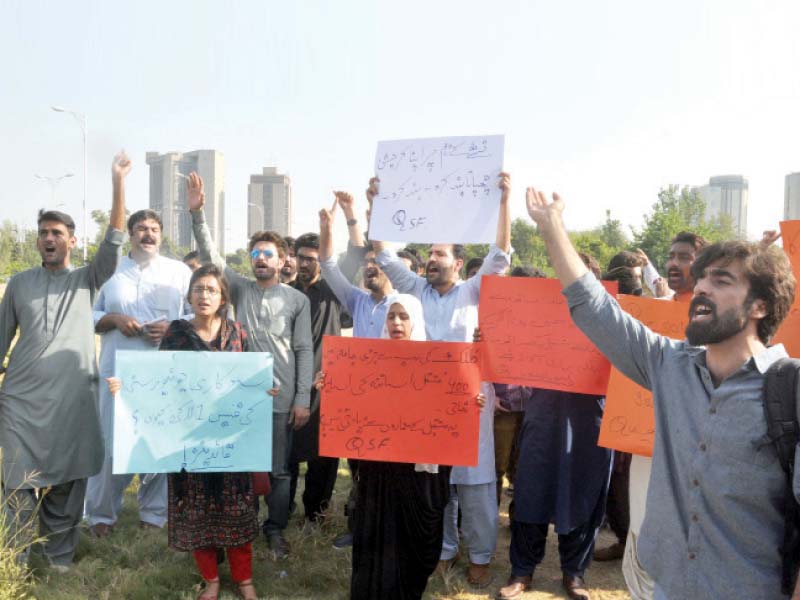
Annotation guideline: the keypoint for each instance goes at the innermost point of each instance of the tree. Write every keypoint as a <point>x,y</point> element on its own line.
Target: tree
<point>677,210</point>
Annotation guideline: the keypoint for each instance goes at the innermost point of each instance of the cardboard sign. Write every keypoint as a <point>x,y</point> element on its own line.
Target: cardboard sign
<point>426,183</point>
<point>628,420</point>
<point>199,411</point>
<point>531,340</point>
<point>788,333</point>
<point>400,401</point>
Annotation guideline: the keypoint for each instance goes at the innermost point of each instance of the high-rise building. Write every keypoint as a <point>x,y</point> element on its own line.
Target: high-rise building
<point>727,195</point>
<point>791,197</point>
<point>168,173</point>
<point>269,202</point>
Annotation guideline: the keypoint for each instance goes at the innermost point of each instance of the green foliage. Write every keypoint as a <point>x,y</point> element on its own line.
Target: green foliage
<point>677,210</point>
<point>528,246</point>
<point>17,250</point>
<point>239,261</point>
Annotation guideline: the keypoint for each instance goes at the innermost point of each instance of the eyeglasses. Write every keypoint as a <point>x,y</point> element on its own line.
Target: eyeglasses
<point>202,291</point>
<point>254,254</point>
<point>301,258</point>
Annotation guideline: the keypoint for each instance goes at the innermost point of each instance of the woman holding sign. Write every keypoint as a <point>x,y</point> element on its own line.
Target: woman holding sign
<point>210,511</point>
<point>399,524</point>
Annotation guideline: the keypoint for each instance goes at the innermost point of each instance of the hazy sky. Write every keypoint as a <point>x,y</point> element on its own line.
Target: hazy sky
<point>604,102</point>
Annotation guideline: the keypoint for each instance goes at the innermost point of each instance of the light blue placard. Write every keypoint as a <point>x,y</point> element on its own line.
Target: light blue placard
<point>200,411</point>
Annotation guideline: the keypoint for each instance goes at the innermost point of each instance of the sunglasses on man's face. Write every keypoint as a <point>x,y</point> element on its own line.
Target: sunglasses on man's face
<point>254,254</point>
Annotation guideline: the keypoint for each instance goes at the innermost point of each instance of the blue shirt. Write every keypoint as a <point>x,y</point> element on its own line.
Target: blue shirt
<point>368,315</point>
<point>714,522</point>
<point>449,317</point>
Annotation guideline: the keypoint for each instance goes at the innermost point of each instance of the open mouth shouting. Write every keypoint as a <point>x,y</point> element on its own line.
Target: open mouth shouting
<point>702,310</point>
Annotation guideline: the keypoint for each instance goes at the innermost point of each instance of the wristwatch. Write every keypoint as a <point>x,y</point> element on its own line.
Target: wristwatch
<point>351,222</point>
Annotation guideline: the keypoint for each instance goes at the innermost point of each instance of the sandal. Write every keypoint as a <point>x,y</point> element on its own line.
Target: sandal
<point>247,591</point>
<point>211,590</point>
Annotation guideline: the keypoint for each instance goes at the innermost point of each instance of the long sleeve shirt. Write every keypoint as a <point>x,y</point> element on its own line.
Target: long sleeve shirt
<point>449,317</point>
<point>714,522</point>
<point>277,320</point>
<point>453,317</point>
<point>48,400</point>
<point>368,315</point>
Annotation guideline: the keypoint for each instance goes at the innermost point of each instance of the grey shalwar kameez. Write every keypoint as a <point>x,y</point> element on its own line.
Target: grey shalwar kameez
<point>49,424</point>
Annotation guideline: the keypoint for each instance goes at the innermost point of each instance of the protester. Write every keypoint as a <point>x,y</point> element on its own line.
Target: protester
<point>682,253</point>
<point>132,312</point>
<point>399,526</point>
<point>192,260</point>
<point>49,424</point>
<point>210,511</point>
<point>277,319</point>
<point>473,266</point>
<point>683,250</point>
<point>714,523</point>
<point>327,315</point>
<point>289,268</point>
<point>509,410</point>
<point>367,307</point>
<point>562,478</point>
<point>451,314</point>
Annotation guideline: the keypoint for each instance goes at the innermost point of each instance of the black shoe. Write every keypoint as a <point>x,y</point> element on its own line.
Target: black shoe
<point>279,546</point>
<point>575,587</point>
<point>343,541</point>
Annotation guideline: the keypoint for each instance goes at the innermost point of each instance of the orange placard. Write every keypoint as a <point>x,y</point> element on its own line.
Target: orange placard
<point>400,401</point>
<point>531,339</point>
<point>628,420</point>
<point>788,333</point>
<point>790,233</point>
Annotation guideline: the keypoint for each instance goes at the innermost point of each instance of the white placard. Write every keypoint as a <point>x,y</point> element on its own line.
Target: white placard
<point>438,190</point>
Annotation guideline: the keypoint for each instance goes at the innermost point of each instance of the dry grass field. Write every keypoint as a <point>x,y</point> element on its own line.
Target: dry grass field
<point>137,565</point>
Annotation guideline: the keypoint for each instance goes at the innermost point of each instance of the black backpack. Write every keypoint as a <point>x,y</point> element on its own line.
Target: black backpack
<point>781,397</point>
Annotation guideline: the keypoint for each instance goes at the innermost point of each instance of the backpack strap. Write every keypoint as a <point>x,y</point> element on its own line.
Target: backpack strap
<point>781,397</point>
<point>780,409</point>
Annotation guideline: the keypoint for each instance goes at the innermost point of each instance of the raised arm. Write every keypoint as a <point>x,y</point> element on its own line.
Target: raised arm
<point>630,345</point>
<point>549,218</point>
<point>196,200</point>
<point>344,291</point>
<point>356,246</point>
<point>105,261</point>
<point>503,239</point>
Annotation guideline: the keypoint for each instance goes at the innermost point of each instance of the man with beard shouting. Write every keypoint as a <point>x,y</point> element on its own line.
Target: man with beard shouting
<point>49,426</point>
<point>450,306</point>
<point>714,522</point>
<point>277,320</point>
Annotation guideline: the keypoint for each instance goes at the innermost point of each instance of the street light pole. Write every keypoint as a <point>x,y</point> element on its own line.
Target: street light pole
<point>81,119</point>
<point>53,181</point>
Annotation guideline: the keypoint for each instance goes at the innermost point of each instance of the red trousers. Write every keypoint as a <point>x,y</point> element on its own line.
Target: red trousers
<point>239,557</point>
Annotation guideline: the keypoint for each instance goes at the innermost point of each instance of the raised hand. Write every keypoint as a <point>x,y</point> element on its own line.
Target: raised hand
<point>640,253</point>
<point>373,190</point>
<point>195,192</point>
<point>544,213</point>
<point>120,166</point>
<point>769,237</point>
<point>505,186</point>
<point>345,200</point>
<point>326,216</point>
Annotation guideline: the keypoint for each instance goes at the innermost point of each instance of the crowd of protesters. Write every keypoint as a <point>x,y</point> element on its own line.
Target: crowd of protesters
<point>705,517</point>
